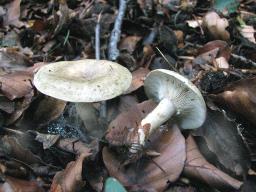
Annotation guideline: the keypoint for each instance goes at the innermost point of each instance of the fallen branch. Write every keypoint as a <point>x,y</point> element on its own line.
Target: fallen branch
<point>113,51</point>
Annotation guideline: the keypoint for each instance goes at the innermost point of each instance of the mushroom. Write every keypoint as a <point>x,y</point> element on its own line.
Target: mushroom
<point>83,80</point>
<point>177,98</point>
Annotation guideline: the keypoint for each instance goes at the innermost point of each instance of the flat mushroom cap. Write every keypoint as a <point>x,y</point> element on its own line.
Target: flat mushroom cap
<point>189,103</point>
<point>83,80</point>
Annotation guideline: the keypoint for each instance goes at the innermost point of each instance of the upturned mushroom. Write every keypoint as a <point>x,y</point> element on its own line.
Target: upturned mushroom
<point>83,81</point>
<point>178,99</point>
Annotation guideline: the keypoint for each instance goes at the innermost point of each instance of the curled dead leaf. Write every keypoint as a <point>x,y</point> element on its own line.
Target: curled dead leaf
<point>197,167</point>
<point>70,179</point>
<point>239,97</point>
<point>155,173</point>
<point>216,26</point>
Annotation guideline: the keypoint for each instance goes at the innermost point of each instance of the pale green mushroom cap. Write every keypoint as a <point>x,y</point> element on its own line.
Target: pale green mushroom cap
<point>86,80</point>
<point>189,103</point>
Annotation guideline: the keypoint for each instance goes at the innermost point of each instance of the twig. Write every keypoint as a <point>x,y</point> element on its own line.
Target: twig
<point>113,51</point>
<point>97,38</point>
<point>103,106</point>
<point>243,59</point>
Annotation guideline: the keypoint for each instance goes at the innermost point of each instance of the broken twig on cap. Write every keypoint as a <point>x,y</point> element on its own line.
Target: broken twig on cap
<point>113,51</point>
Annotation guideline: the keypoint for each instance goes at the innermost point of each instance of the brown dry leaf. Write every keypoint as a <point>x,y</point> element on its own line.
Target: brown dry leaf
<point>240,97</point>
<point>154,174</point>
<point>16,85</point>
<point>216,26</point>
<point>13,13</point>
<point>197,167</point>
<point>248,32</point>
<point>20,107</point>
<point>122,130</point>
<point>12,59</point>
<point>16,148</point>
<point>138,78</point>
<point>70,179</point>
<point>129,43</point>
<point>224,49</point>
<point>12,184</point>
<point>74,146</point>
<point>44,110</point>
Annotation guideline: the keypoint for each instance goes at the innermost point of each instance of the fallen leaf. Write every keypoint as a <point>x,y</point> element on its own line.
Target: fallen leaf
<point>138,78</point>
<point>219,136</point>
<point>47,140</point>
<point>43,110</point>
<point>223,48</point>
<point>216,26</point>
<point>74,146</point>
<point>198,168</point>
<point>129,43</point>
<point>122,130</point>
<point>16,85</point>
<point>248,32</point>
<point>155,173</point>
<point>70,179</point>
<point>15,147</point>
<point>13,13</point>
<point>239,97</point>
<point>12,184</point>
<point>11,59</point>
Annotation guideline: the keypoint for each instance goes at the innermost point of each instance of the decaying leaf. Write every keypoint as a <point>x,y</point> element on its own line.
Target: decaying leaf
<point>17,185</point>
<point>16,85</point>
<point>129,43</point>
<point>42,111</point>
<point>197,167</point>
<point>13,13</point>
<point>240,97</point>
<point>70,179</point>
<point>47,140</point>
<point>16,147</point>
<point>155,173</point>
<point>220,136</point>
<point>122,130</point>
<point>138,77</point>
<point>216,26</point>
<point>74,146</point>
<point>248,32</point>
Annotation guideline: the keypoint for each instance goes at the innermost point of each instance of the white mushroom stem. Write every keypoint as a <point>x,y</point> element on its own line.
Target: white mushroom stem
<point>163,111</point>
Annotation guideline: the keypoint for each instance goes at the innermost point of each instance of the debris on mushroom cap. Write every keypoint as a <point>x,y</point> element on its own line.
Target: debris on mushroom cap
<point>83,80</point>
<point>189,103</point>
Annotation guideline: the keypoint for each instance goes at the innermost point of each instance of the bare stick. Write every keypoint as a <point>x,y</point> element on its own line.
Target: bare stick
<point>97,38</point>
<point>113,51</point>
<point>103,107</point>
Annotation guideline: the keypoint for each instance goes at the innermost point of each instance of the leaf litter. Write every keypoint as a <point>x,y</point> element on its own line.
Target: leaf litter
<point>49,144</point>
